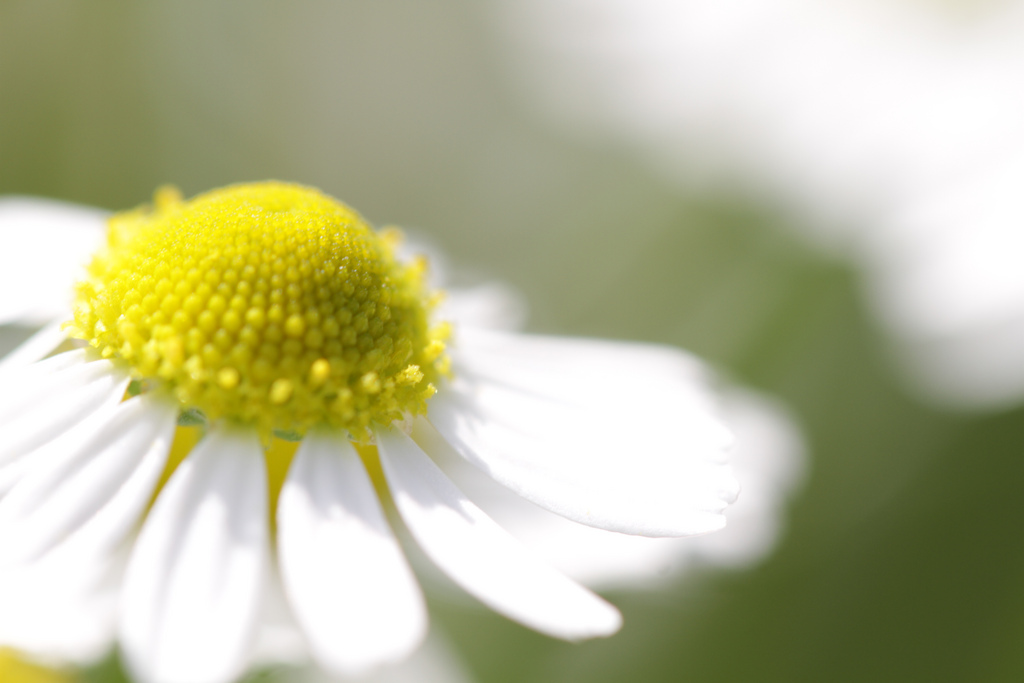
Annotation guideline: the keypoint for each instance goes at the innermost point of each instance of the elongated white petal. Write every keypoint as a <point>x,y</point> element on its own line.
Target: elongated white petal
<point>193,584</point>
<point>348,582</point>
<point>60,610</point>
<point>769,459</point>
<point>35,347</point>
<point>99,484</point>
<point>479,556</point>
<point>278,639</point>
<point>594,557</point>
<point>617,436</point>
<point>51,365</point>
<point>43,247</point>
<point>81,498</point>
<point>24,463</point>
<point>62,603</point>
<point>43,400</point>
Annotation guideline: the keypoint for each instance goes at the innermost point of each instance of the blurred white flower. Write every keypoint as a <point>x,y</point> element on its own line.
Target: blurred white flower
<point>880,123</point>
<point>614,435</point>
<point>946,278</point>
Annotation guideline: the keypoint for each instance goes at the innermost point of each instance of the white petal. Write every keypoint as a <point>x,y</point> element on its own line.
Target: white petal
<point>99,485</point>
<point>480,556</point>
<point>43,368</point>
<point>278,639</point>
<point>348,582</point>
<point>45,245</point>
<point>618,436</point>
<point>594,557</point>
<point>43,400</point>
<point>35,348</point>
<point>61,611</point>
<point>768,459</point>
<point>85,494</point>
<point>24,463</point>
<point>192,587</point>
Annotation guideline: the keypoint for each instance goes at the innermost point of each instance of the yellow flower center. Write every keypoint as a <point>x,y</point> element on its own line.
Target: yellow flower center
<point>267,304</point>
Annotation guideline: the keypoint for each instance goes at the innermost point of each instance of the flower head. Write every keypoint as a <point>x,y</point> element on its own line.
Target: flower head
<point>270,305</point>
<point>245,377</point>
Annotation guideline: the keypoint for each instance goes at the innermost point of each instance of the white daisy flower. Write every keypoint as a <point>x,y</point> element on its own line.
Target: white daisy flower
<point>248,383</point>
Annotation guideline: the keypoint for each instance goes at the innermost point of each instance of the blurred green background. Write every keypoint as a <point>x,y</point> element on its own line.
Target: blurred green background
<point>901,559</point>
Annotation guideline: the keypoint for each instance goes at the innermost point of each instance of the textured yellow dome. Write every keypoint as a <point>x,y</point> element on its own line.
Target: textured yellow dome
<point>268,304</point>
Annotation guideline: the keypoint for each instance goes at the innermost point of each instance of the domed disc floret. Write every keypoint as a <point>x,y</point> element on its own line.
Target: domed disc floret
<point>267,304</point>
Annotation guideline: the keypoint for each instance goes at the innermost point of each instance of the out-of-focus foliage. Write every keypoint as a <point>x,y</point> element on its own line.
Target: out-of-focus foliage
<point>901,560</point>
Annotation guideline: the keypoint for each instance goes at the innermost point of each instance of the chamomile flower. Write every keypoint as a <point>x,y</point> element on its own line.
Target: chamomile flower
<point>244,401</point>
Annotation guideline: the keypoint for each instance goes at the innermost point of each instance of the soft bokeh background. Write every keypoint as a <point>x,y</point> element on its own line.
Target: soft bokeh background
<point>902,558</point>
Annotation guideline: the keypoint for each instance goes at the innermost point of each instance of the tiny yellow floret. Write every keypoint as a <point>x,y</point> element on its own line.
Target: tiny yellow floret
<point>227,378</point>
<point>266,304</point>
<point>319,372</point>
<point>280,391</point>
